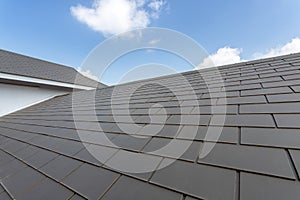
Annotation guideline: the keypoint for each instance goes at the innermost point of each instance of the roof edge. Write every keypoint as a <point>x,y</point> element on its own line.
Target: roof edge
<point>251,62</point>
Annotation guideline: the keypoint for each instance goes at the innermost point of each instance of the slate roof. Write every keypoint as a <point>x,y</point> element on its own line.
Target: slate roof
<point>256,157</point>
<point>13,63</point>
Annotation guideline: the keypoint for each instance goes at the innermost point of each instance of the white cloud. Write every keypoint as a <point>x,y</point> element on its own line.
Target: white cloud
<point>154,41</point>
<point>228,55</point>
<point>291,47</point>
<point>116,16</point>
<point>87,73</point>
<point>223,56</point>
<point>156,6</point>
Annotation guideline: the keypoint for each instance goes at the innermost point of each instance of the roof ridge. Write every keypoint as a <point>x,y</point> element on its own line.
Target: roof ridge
<point>212,68</point>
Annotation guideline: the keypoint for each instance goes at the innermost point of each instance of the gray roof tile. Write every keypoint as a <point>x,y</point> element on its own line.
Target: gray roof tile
<point>268,188</point>
<point>40,158</point>
<point>197,180</point>
<point>142,162</point>
<point>295,154</point>
<point>285,138</point>
<point>259,120</point>
<point>227,134</point>
<point>11,168</point>
<point>283,98</point>
<point>60,167</point>
<point>287,120</point>
<point>190,153</point>
<point>279,90</point>
<point>271,108</point>
<point>248,158</point>
<point>90,181</point>
<point>128,188</point>
<point>47,190</point>
<point>21,182</point>
<point>296,88</point>
<point>242,100</point>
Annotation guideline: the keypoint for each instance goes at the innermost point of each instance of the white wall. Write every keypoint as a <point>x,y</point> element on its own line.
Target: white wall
<point>16,97</point>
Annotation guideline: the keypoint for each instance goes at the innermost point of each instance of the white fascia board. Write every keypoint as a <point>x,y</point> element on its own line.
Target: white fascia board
<point>43,81</point>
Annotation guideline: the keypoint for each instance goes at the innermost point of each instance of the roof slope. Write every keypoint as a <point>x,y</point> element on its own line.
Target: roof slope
<point>256,157</point>
<point>17,64</point>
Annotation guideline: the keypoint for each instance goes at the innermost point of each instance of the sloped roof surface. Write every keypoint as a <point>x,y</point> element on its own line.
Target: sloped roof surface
<point>17,64</point>
<point>256,157</point>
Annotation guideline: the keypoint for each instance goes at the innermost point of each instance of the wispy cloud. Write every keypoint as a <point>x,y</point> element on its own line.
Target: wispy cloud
<point>156,6</point>
<point>229,55</point>
<point>115,16</point>
<point>88,73</point>
<point>154,41</point>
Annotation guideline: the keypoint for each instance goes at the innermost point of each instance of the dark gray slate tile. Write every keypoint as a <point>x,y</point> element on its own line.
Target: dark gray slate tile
<point>296,88</point>
<point>60,167</point>
<point>4,140</point>
<point>27,152</point>
<point>258,120</point>
<point>296,159</point>
<point>11,168</point>
<point>131,142</point>
<point>227,134</point>
<point>263,160</point>
<point>243,87</point>
<point>290,77</point>
<point>136,164</point>
<point>67,147</point>
<point>220,95</point>
<point>128,188</point>
<point>85,156</point>
<point>230,109</point>
<point>289,138</point>
<point>13,146</point>
<point>90,181</point>
<point>99,138</point>
<point>47,190</point>
<point>281,83</point>
<point>20,135</point>
<point>283,98</point>
<point>163,130</point>
<point>271,108</point>
<point>174,148</point>
<point>96,154</point>
<point>201,102</point>
<point>276,74</point>
<point>287,120</point>
<point>5,158</point>
<point>188,119</point>
<point>279,90</point>
<point>205,182</point>
<point>242,100</point>
<point>254,186</point>
<point>22,181</point>
<point>40,158</point>
<point>271,79</point>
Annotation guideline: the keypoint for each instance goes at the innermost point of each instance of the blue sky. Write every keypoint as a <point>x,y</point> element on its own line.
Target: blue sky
<point>238,30</point>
